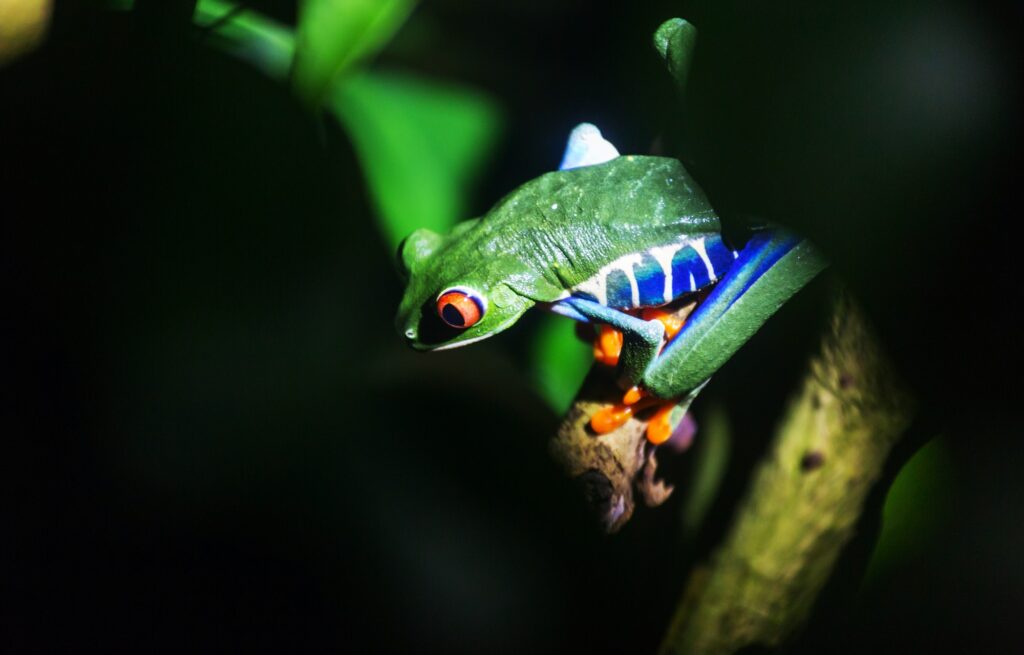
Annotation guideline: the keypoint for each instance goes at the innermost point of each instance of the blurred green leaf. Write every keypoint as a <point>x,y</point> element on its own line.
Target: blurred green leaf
<point>333,35</point>
<point>421,145</point>
<point>913,509</point>
<point>713,444</point>
<point>248,35</point>
<point>559,361</point>
<point>674,40</point>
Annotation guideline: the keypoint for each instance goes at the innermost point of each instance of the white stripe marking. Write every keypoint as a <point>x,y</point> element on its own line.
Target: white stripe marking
<point>663,255</point>
<point>597,286</point>
<point>594,287</point>
<point>634,288</point>
<point>698,245</point>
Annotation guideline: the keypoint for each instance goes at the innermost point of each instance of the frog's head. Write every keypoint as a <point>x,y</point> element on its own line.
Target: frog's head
<point>457,291</point>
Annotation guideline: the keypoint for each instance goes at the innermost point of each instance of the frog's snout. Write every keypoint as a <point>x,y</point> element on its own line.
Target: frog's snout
<point>406,328</point>
<point>412,336</point>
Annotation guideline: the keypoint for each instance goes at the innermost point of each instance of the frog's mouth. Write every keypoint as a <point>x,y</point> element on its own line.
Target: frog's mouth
<point>464,342</point>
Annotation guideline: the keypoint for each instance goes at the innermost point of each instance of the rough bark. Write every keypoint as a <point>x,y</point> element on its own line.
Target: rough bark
<point>804,502</point>
<point>617,467</point>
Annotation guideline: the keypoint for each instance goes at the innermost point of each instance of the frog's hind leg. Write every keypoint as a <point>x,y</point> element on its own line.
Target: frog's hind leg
<point>772,267</point>
<point>618,331</point>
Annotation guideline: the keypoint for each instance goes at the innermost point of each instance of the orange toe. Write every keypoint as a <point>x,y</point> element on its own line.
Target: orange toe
<point>607,345</point>
<point>673,324</point>
<point>633,395</point>
<point>659,428</point>
<point>610,418</point>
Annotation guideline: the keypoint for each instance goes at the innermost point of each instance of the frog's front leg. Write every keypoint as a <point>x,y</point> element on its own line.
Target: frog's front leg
<point>641,340</point>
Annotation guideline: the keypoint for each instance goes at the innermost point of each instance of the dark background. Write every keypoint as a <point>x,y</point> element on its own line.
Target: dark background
<point>215,440</point>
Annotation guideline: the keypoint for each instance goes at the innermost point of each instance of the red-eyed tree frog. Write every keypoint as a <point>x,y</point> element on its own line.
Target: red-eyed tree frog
<point>607,239</point>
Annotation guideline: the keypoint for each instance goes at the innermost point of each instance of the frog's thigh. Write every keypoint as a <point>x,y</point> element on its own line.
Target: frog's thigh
<point>769,270</point>
<point>663,379</point>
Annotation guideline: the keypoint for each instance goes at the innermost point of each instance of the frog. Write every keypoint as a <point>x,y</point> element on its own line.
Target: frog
<point>614,241</point>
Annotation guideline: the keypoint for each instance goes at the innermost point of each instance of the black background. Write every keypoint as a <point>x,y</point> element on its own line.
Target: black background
<point>215,440</point>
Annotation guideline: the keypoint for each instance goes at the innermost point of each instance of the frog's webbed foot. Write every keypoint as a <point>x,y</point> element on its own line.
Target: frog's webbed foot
<point>661,425</point>
<point>607,347</point>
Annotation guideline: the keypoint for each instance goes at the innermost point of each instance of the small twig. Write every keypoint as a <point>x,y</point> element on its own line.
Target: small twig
<point>615,467</point>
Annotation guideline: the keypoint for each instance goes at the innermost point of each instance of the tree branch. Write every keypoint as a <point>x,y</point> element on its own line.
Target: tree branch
<point>805,500</point>
<point>613,466</point>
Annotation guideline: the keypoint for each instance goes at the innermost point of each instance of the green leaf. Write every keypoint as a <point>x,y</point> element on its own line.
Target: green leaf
<point>248,35</point>
<point>559,361</point>
<point>914,508</point>
<point>334,35</point>
<point>674,40</point>
<point>421,145</point>
<point>713,443</point>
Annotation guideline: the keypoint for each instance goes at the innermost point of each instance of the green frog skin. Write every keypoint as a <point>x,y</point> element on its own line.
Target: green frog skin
<point>599,241</point>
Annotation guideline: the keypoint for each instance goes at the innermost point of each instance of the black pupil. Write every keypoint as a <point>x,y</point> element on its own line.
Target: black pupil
<point>452,316</point>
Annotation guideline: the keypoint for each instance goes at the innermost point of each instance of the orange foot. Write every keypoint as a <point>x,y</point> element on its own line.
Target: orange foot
<point>607,347</point>
<point>673,324</point>
<point>613,417</point>
<point>659,427</point>
<point>608,343</point>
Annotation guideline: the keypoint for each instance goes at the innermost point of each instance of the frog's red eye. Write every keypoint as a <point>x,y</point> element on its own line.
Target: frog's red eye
<point>460,308</point>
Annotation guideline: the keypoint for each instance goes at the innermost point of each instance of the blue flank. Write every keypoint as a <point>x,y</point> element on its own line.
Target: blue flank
<point>762,251</point>
<point>720,255</point>
<point>686,263</point>
<point>650,279</point>
<point>619,290</point>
